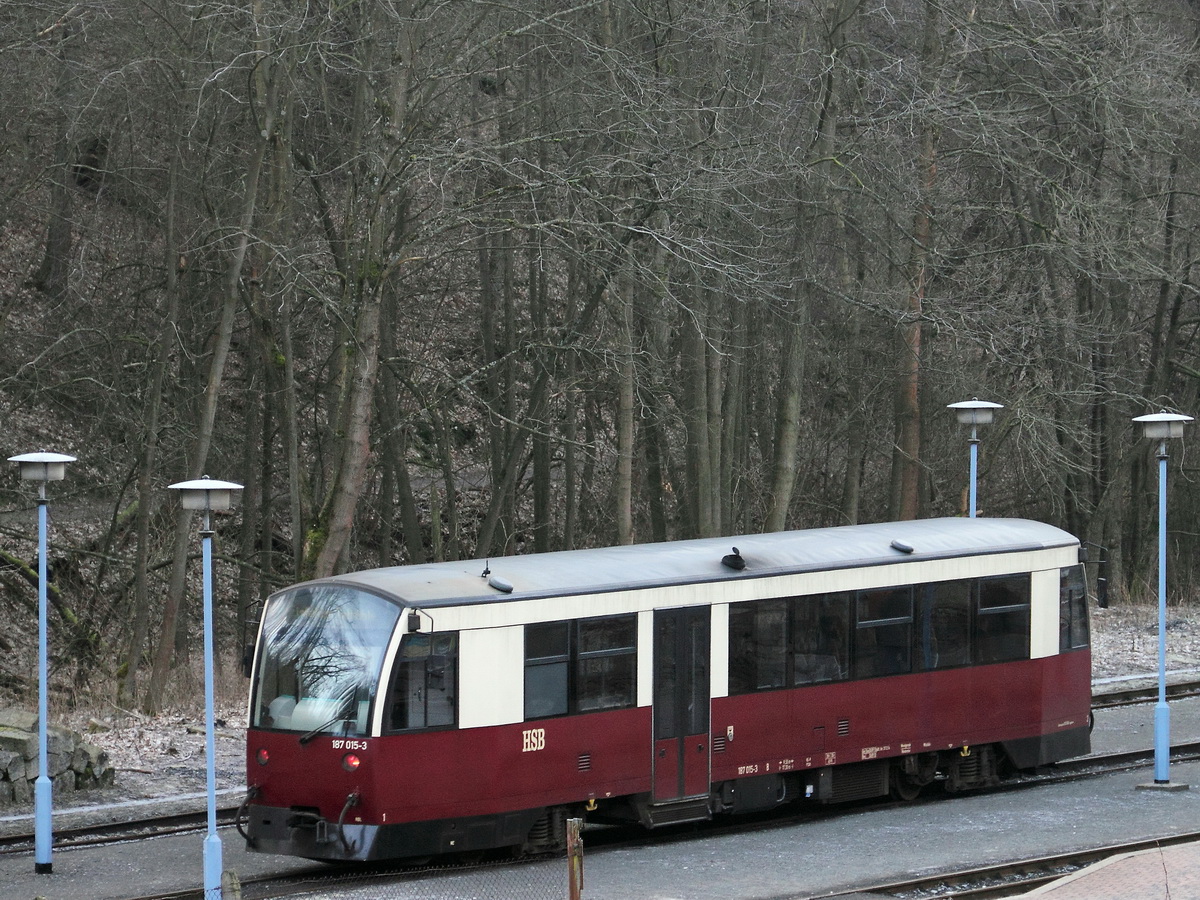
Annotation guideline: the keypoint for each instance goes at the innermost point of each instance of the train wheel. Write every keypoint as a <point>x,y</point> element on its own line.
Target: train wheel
<point>902,787</point>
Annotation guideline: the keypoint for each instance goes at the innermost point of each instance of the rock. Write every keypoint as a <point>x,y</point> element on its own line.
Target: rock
<point>22,791</point>
<point>71,763</point>
<point>18,719</point>
<point>24,743</point>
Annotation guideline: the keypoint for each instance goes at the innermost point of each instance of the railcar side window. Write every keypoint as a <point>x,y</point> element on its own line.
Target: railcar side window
<point>757,645</point>
<point>820,638</point>
<point>883,637</point>
<point>607,663</point>
<point>424,682</point>
<point>1072,610</point>
<point>580,666</point>
<point>547,664</point>
<point>320,657</point>
<point>944,625</point>
<point>1002,623</point>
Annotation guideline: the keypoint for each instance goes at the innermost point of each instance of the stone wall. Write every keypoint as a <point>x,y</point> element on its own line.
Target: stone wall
<point>71,762</point>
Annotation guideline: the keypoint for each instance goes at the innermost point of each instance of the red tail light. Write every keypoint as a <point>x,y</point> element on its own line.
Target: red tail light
<point>351,762</point>
<point>262,756</point>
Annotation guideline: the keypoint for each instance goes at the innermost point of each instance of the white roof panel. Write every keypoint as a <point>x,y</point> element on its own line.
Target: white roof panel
<point>568,572</point>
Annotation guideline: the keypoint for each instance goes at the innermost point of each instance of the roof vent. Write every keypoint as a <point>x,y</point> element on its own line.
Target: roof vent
<point>733,560</point>
<point>902,547</point>
<point>504,587</point>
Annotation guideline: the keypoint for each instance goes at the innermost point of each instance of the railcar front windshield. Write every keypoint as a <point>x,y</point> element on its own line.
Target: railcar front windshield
<point>320,655</point>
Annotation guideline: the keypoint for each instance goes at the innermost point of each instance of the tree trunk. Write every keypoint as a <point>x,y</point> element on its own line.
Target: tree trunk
<point>208,415</point>
<point>623,487</point>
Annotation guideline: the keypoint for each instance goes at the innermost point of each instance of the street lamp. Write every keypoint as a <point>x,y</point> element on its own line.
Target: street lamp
<point>42,467</point>
<point>1162,426</point>
<point>208,495</point>
<point>975,412</point>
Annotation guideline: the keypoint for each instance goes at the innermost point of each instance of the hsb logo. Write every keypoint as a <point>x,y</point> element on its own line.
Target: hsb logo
<point>533,739</point>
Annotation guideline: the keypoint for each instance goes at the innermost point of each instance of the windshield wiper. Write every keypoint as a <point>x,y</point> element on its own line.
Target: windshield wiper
<point>343,716</point>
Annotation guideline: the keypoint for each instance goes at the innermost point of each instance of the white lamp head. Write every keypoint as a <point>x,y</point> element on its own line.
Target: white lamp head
<point>206,493</point>
<point>975,411</point>
<point>1161,425</point>
<point>42,466</point>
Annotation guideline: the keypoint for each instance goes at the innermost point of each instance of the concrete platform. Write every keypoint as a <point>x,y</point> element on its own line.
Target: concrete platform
<point>1169,873</point>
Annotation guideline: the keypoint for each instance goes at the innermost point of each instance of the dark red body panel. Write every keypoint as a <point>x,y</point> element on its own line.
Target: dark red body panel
<point>859,720</point>
<point>456,773</point>
<point>425,776</point>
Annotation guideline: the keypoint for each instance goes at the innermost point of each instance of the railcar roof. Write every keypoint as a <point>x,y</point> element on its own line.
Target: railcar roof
<point>606,569</point>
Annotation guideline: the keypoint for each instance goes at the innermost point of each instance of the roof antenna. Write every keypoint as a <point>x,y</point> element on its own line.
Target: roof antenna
<point>487,568</point>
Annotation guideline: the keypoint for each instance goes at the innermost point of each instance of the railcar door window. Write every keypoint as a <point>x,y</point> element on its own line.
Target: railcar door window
<point>883,638</point>
<point>320,657</point>
<point>424,682</point>
<point>1002,625</point>
<point>944,632</point>
<point>1072,610</point>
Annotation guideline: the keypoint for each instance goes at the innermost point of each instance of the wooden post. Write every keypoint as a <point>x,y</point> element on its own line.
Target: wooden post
<point>574,859</point>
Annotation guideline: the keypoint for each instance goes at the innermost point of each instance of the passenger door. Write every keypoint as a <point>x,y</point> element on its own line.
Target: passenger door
<point>681,703</point>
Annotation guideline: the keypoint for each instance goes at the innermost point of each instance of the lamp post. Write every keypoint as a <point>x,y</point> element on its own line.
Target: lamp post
<point>1162,426</point>
<point>975,412</point>
<point>42,467</point>
<point>207,494</point>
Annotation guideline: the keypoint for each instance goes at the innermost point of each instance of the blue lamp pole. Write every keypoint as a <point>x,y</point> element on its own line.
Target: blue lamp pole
<point>42,467</point>
<point>207,494</point>
<point>975,412</point>
<point>1162,426</point>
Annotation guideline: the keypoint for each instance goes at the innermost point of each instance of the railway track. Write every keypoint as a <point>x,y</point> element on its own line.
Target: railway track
<point>72,837</point>
<point>1136,695</point>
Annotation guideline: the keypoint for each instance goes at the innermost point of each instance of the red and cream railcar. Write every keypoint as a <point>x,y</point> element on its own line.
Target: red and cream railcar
<point>427,709</point>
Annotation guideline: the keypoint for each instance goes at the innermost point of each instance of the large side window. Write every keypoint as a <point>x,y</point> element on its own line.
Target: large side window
<point>757,645</point>
<point>581,666</point>
<point>820,638</point>
<point>944,624</point>
<point>1002,622</point>
<point>606,667</point>
<point>883,633</point>
<point>1072,610</point>
<point>424,682</point>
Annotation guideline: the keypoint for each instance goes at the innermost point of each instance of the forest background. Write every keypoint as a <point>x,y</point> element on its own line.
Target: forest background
<point>442,279</point>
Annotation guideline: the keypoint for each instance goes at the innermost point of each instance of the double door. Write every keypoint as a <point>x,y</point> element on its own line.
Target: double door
<point>681,703</point>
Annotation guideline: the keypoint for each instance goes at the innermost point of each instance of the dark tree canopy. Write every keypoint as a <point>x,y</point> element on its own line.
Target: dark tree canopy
<point>439,280</point>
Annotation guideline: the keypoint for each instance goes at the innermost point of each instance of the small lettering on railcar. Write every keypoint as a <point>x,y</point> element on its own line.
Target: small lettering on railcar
<point>533,739</point>
<point>344,744</point>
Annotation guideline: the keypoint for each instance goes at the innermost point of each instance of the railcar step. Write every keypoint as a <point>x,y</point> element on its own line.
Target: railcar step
<point>674,812</point>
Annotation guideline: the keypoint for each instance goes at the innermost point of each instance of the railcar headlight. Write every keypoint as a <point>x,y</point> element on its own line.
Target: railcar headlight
<point>351,762</point>
<point>262,757</point>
